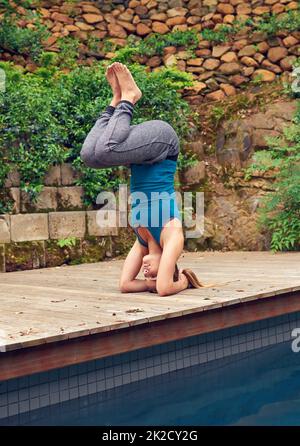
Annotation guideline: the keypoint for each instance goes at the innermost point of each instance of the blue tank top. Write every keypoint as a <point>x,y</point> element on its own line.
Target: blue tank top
<point>153,197</point>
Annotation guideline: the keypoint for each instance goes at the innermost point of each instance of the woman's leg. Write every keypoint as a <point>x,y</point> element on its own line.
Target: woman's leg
<point>113,141</point>
<point>87,152</point>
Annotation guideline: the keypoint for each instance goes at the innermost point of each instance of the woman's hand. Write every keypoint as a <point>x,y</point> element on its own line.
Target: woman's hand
<point>151,285</point>
<point>183,280</point>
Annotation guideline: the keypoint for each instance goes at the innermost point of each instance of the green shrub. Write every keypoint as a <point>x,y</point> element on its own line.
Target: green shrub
<point>19,40</point>
<point>268,23</point>
<point>24,41</point>
<point>153,44</point>
<point>272,23</point>
<point>280,209</point>
<point>66,242</point>
<point>11,7</point>
<point>68,52</point>
<point>45,117</point>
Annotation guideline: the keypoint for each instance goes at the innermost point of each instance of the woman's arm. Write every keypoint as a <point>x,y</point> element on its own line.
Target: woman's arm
<point>173,246</point>
<point>131,268</point>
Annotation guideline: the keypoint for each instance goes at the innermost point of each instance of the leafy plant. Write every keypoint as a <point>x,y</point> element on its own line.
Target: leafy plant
<point>67,242</point>
<point>59,109</point>
<point>68,52</point>
<point>48,59</point>
<point>257,80</point>
<point>272,23</point>
<point>268,23</point>
<point>217,114</point>
<point>220,35</point>
<point>107,46</point>
<point>12,7</point>
<point>93,43</point>
<point>32,139</point>
<point>155,43</point>
<point>25,41</point>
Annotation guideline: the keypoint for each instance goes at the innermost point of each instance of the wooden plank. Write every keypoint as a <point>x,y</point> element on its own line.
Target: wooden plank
<point>75,301</point>
<point>59,354</point>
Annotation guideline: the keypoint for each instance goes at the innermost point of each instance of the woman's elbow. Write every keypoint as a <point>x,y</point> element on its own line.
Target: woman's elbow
<point>163,293</point>
<point>124,287</point>
<point>163,290</point>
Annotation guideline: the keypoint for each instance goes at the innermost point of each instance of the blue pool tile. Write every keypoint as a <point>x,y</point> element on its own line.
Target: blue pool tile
<point>83,389</point>
<point>24,406</point>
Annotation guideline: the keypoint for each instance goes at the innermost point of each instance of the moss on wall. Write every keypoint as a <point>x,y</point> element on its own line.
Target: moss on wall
<point>56,256</point>
<point>24,255</point>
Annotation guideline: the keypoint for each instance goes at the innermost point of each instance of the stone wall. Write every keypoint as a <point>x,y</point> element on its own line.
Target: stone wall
<point>231,202</point>
<point>218,69</point>
<point>30,235</point>
<point>60,192</point>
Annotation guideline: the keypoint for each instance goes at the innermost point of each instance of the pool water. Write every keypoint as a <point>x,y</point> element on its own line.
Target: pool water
<point>261,387</point>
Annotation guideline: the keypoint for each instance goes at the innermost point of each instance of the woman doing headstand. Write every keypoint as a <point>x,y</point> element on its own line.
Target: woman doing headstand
<point>151,150</point>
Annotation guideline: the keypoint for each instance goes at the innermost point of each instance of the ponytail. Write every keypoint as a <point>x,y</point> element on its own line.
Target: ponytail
<point>193,280</point>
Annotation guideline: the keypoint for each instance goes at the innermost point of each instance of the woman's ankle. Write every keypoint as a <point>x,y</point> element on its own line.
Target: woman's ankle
<point>129,98</point>
<point>126,101</point>
<point>114,102</point>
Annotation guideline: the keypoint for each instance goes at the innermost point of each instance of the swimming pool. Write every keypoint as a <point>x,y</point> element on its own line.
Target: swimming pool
<point>248,375</point>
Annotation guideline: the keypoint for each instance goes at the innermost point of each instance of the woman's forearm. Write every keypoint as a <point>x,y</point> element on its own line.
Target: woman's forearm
<point>176,287</point>
<point>151,284</point>
<point>134,286</point>
<point>172,288</point>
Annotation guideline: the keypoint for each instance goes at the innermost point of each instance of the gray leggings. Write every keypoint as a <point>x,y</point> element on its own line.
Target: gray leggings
<point>114,142</point>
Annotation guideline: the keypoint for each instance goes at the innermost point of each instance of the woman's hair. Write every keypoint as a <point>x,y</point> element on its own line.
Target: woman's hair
<point>176,273</point>
<point>193,280</point>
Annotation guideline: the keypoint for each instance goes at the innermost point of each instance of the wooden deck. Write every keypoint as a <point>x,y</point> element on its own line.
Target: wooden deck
<point>56,306</point>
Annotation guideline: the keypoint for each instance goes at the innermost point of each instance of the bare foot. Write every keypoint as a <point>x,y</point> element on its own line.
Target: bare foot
<point>129,89</point>
<point>114,83</point>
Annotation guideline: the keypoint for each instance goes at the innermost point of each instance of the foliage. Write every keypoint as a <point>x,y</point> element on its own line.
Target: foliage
<point>68,52</point>
<point>11,7</point>
<point>31,136</point>
<point>95,180</point>
<point>223,33</point>
<point>59,109</point>
<point>280,209</point>
<point>93,43</point>
<point>66,242</point>
<point>154,44</point>
<point>272,23</point>
<point>217,114</point>
<point>269,24</point>
<point>257,80</point>
<point>25,41</point>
